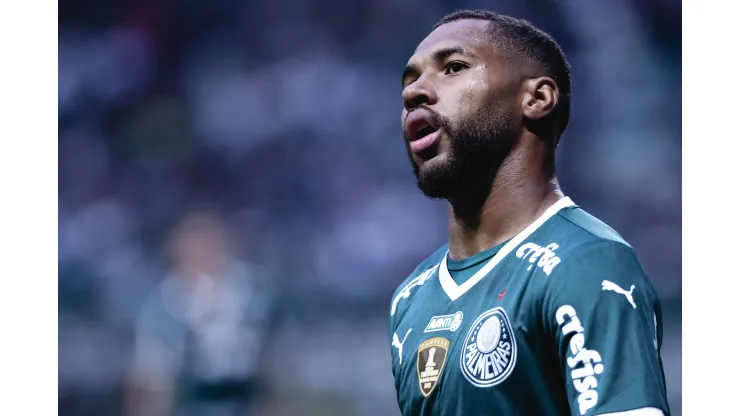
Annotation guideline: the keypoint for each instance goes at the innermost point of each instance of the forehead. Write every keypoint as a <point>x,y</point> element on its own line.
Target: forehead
<point>470,34</point>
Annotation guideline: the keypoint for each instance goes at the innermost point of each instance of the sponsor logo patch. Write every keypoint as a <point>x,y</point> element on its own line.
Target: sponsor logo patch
<point>542,257</point>
<point>445,322</point>
<point>607,285</point>
<point>399,345</point>
<point>585,364</point>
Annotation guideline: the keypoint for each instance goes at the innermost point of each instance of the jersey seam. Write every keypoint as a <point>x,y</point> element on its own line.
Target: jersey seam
<point>604,241</point>
<point>600,239</point>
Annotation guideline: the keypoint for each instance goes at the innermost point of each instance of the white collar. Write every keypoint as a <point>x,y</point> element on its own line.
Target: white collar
<point>454,291</point>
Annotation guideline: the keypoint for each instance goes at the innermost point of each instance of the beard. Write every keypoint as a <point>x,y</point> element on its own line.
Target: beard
<point>478,147</point>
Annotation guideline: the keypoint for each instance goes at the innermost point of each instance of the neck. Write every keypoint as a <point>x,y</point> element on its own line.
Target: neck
<point>518,196</point>
<point>194,272</point>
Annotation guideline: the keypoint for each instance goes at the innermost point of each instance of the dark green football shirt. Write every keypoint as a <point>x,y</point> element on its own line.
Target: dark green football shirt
<point>560,320</point>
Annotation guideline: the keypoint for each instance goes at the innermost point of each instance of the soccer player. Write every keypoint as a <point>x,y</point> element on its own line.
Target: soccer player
<point>534,307</point>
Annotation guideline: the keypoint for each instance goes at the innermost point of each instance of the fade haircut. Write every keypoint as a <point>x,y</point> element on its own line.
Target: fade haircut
<point>521,40</point>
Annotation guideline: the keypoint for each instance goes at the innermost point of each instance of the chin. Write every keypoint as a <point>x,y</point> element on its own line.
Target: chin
<point>436,179</point>
<point>439,161</point>
<point>434,189</point>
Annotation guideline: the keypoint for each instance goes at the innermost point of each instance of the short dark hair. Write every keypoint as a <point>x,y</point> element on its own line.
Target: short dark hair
<point>521,39</point>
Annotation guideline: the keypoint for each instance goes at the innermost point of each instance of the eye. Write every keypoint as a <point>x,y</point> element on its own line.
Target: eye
<point>454,67</point>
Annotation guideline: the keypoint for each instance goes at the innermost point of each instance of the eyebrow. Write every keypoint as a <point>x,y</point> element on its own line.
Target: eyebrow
<point>438,55</point>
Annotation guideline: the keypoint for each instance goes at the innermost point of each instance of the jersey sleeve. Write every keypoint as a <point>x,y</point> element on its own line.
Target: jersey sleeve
<point>391,335</point>
<point>604,318</point>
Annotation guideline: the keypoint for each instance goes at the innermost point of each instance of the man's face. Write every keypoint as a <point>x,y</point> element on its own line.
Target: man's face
<point>199,243</point>
<point>460,116</point>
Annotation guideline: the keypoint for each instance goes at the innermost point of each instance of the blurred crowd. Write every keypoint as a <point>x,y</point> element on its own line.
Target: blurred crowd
<point>236,206</point>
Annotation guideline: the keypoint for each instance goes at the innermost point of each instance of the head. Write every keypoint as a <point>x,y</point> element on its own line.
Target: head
<point>475,88</point>
<point>199,243</point>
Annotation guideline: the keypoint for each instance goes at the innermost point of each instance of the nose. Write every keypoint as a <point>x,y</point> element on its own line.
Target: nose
<point>418,93</point>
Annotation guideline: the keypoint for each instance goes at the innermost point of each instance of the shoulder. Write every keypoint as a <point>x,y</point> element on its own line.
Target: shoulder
<point>575,230</point>
<point>418,277</point>
<point>588,243</point>
<point>158,300</point>
<point>574,239</point>
<point>580,223</point>
<point>591,255</point>
<point>162,309</point>
<point>428,264</point>
<point>579,238</point>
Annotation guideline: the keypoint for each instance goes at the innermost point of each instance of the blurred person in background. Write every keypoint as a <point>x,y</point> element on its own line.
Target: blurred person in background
<point>200,334</point>
<point>534,307</point>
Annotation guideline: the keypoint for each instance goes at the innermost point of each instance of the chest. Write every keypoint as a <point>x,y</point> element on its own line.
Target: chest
<point>473,348</point>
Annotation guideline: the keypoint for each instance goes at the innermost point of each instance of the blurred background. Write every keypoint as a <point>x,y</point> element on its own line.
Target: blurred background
<point>236,206</point>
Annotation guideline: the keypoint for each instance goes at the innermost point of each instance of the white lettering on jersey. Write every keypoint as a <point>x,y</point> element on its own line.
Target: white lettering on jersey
<point>655,322</point>
<point>584,363</point>
<point>406,291</point>
<point>399,345</point>
<point>607,285</point>
<point>544,256</point>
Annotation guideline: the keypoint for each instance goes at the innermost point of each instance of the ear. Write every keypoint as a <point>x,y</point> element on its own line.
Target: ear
<point>540,97</point>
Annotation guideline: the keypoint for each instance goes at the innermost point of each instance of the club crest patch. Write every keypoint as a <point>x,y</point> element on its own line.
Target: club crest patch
<point>430,361</point>
<point>489,353</point>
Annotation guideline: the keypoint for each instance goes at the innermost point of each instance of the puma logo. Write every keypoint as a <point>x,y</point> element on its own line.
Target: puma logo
<point>607,285</point>
<point>399,345</point>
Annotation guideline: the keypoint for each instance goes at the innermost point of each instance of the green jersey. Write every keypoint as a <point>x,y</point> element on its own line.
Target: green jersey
<point>559,320</point>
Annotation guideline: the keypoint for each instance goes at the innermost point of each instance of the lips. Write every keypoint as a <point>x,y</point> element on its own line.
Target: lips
<point>422,130</point>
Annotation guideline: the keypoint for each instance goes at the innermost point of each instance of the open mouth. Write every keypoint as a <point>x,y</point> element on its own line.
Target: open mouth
<point>423,134</point>
<point>430,152</point>
<point>424,131</point>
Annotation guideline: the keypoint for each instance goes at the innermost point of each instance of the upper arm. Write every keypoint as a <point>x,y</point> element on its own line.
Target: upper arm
<point>157,349</point>
<point>604,318</point>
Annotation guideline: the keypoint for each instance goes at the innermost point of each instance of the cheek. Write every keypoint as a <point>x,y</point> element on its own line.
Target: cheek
<point>468,101</point>
<point>474,94</point>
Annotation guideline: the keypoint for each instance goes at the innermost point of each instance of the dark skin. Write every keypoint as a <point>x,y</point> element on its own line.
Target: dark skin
<point>491,161</point>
